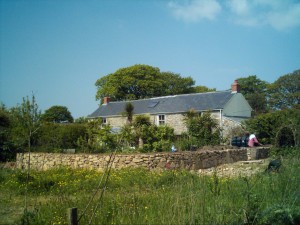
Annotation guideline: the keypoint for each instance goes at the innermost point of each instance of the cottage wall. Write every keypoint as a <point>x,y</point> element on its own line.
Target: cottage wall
<point>119,121</point>
<point>228,126</point>
<point>177,122</point>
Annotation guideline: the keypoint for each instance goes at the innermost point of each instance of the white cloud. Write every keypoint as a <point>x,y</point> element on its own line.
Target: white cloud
<point>280,15</point>
<point>240,7</point>
<point>286,19</point>
<point>196,10</point>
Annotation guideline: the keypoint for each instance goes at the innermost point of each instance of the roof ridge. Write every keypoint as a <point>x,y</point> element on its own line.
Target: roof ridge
<point>170,96</point>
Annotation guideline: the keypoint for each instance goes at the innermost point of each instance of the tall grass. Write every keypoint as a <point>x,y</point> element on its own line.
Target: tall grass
<point>138,196</point>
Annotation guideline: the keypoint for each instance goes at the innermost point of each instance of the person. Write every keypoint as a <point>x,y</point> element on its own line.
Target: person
<point>253,141</point>
<point>245,140</point>
<point>173,148</point>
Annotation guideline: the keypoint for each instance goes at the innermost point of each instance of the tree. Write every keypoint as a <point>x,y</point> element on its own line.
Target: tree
<point>201,89</point>
<point>269,125</point>
<point>285,91</point>
<point>55,137</point>
<point>202,129</point>
<point>254,90</point>
<point>141,123</point>
<point>129,108</point>
<point>5,144</point>
<point>26,122</point>
<point>141,81</point>
<point>99,137</point>
<point>175,84</point>
<point>57,114</point>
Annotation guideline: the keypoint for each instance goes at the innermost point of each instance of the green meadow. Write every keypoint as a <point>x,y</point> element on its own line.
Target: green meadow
<point>139,196</point>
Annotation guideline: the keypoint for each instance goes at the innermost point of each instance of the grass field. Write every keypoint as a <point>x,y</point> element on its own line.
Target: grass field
<point>139,196</point>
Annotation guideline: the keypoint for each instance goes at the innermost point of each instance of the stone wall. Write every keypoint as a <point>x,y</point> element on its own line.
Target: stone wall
<point>258,153</point>
<point>192,160</point>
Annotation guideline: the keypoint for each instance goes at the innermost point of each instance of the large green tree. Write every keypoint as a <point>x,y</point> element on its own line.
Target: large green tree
<point>285,91</point>
<point>201,89</point>
<point>255,91</point>
<point>141,81</point>
<point>57,114</point>
<point>175,84</point>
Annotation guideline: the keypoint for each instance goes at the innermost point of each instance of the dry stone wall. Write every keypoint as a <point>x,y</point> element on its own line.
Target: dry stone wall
<point>192,160</point>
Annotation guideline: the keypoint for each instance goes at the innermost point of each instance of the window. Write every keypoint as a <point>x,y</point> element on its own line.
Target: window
<point>152,104</point>
<point>161,119</point>
<point>104,121</point>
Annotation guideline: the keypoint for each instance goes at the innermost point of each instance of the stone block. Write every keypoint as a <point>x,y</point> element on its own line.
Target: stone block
<point>137,160</point>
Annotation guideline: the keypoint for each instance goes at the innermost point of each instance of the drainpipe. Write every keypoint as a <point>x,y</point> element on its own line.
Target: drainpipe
<point>221,118</point>
<point>221,123</point>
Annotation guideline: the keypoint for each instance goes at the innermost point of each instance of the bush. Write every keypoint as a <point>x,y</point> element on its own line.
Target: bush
<point>54,137</point>
<point>286,151</point>
<point>269,126</point>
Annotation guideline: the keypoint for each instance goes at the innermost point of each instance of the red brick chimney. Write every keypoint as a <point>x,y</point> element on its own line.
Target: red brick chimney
<point>106,100</point>
<point>235,87</point>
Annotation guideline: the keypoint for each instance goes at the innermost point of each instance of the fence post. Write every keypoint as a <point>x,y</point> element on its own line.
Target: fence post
<point>72,216</point>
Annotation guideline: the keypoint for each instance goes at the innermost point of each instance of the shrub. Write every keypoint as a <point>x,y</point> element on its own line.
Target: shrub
<point>55,136</point>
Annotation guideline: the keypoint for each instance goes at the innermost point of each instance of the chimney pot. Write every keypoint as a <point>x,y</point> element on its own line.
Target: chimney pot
<point>106,100</point>
<point>235,87</point>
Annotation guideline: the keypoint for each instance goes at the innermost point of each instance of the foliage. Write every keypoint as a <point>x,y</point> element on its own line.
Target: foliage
<point>141,124</point>
<point>129,109</point>
<point>128,137</point>
<point>285,137</point>
<point>81,120</point>
<point>140,196</point>
<point>285,151</point>
<point>55,137</point>
<point>175,84</point>
<point>202,129</point>
<point>158,138</point>
<point>145,136</point>
<point>267,126</point>
<point>99,138</point>
<point>201,89</point>
<point>141,81</point>
<point>285,91</point>
<point>57,114</point>
<point>255,91</point>
<point>6,147</point>
<point>25,123</point>
<point>141,120</point>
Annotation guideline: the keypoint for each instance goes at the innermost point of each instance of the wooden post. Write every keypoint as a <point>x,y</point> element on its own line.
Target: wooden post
<point>72,216</point>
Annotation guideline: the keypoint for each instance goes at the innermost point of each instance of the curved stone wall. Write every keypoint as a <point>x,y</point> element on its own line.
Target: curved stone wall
<point>191,160</point>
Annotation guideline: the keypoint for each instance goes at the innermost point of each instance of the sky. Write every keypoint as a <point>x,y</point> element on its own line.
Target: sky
<point>57,49</point>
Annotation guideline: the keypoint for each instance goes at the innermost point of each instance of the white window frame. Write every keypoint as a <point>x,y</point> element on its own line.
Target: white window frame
<point>104,121</point>
<point>161,119</point>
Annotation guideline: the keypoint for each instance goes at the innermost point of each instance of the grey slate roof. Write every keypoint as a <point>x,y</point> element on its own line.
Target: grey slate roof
<point>167,104</point>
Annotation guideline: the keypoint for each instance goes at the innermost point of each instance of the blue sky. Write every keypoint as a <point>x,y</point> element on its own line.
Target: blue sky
<point>57,49</point>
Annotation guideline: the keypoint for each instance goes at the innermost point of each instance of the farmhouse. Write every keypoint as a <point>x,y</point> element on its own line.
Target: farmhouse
<point>229,108</point>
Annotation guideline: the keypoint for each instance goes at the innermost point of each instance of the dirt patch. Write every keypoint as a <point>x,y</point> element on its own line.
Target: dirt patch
<point>242,168</point>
